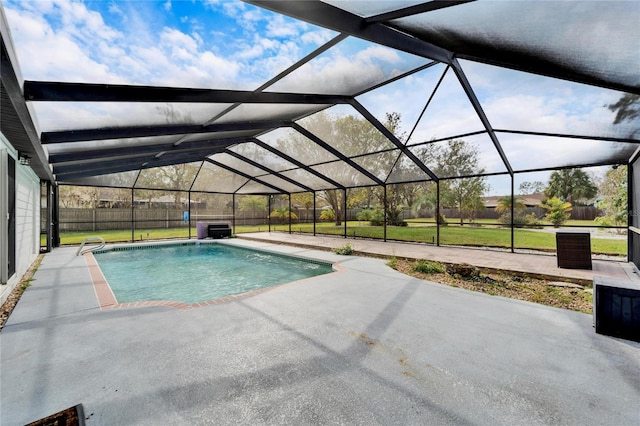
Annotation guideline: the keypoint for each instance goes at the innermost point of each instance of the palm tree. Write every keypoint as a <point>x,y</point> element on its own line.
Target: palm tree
<point>504,204</point>
<point>572,185</point>
<point>283,214</point>
<point>423,204</point>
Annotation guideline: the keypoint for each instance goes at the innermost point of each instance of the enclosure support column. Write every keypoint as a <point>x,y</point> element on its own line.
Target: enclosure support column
<point>269,212</point>
<point>233,212</point>
<point>512,214</point>
<point>344,212</point>
<point>384,217</point>
<point>55,216</point>
<point>289,213</point>
<point>438,213</point>
<point>630,211</point>
<point>133,219</point>
<point>189,214</point>
<point>314,213</point>
<point>49,222</point>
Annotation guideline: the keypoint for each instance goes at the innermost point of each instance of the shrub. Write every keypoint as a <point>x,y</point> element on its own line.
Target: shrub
<point>429,267</point>
<point>520,220</point>
<point>365,215</point>
<point>328,215</point>
<point>558,211</point>
<point>393,263</point>
<point>344,250</point>
<point>377,217</point>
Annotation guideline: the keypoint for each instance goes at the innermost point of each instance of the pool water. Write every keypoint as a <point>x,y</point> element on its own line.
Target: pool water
<point>195,273</point>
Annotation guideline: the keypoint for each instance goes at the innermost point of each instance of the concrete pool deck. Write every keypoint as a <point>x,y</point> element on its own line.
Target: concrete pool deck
<point>366,345</point>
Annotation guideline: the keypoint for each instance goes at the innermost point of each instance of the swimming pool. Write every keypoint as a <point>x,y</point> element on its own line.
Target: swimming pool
<point>195,272</point>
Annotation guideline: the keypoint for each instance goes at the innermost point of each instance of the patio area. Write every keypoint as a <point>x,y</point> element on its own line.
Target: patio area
<point>365,345</point>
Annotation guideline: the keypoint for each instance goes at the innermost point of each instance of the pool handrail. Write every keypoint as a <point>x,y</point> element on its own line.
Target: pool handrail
<point>99,240</point>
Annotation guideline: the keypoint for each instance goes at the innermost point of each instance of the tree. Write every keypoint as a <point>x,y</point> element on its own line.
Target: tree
<point>558,211</point>
<point>303,199</point>
<point>459,162</point>
<point>627,108</point>
<point>254,204</point>
<point>283,214</point>
<point>352,135</point>
<point>178,177</point>
<point>534,187</point>
<point>504,204</point>
<point>393,205</point>
<point>424,204</point>
<point>571,185</point>
<point>519,218</point>
<point>78,196</point>
<point>614,198</point>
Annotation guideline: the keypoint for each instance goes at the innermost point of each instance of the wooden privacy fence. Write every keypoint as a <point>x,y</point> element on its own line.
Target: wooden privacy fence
<point>102,219</point>
<point>81,220</point>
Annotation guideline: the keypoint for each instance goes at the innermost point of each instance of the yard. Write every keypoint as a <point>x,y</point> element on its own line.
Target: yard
<point>480,234</point>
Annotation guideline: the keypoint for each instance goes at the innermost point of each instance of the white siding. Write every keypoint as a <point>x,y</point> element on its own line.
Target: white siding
<point>27,217</point>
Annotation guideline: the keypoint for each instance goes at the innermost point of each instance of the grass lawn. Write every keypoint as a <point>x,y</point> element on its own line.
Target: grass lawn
<point>482,236</point>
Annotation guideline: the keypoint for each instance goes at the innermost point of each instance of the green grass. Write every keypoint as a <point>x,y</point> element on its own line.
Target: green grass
<point>484,236</point>
<point>116,236</point>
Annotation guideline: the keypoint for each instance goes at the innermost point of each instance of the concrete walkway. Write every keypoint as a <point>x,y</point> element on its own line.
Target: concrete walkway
<point>533,264</point>
<point>366,345</point>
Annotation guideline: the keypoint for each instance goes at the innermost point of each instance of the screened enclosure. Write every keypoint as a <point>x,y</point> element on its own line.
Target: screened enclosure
<point>393,120</point>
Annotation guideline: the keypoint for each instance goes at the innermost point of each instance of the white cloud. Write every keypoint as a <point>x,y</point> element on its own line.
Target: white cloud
<point>115,9</point>
<point>279,27</point>
<point>172,40</point>
<point>77,20</point>
<point>59,56</point>
<point>317,38</point>
<point>378,53</point>
<point>167,5</point>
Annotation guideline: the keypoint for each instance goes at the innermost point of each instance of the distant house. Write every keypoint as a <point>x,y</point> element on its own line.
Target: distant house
<point>529,200</point>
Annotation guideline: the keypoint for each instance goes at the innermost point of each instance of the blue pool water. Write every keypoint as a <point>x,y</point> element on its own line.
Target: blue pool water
<point>197,272</point>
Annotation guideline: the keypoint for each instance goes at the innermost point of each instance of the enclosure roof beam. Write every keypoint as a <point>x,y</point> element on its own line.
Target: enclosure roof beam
<point>462,78</point>
<point>213,145</point>
<point>104,133</point>
<point>80,171</point>
<point>299,164</point>
<point>87,92</point>
<point>267,169</point>
<point>328,16</point>
<point>128,164</point>
<point>337,153</point>
<point>415,10</point>
<point>246,176</point>
<point>396,78</point>
<point>387,133</point>
<point>317,52</point>
<point>568,136</point>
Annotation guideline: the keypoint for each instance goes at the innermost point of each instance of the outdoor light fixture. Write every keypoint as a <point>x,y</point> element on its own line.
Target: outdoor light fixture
<point>24,159</point>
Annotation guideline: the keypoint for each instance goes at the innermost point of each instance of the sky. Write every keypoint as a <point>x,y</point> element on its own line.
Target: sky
<point>233,45</point>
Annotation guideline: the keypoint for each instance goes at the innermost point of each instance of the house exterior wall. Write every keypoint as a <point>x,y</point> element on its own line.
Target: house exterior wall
<point>27,217</point>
